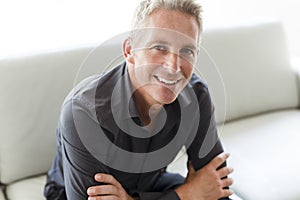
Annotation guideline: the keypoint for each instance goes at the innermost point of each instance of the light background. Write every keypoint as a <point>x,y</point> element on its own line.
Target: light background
<point>40,25</point>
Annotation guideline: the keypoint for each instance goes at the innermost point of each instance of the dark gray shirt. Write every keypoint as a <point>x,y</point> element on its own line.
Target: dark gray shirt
<point>99,131</point>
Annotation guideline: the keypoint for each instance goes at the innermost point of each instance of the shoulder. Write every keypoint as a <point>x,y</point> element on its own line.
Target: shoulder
<point>88,89</point>
<point>88,97</point>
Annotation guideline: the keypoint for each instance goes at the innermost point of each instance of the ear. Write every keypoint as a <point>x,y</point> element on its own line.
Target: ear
<point>127,51</point>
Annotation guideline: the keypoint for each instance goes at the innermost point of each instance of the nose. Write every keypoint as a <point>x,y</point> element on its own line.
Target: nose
<point>172,62</point>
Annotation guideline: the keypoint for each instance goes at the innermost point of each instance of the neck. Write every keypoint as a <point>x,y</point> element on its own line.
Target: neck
<point>146,106</point>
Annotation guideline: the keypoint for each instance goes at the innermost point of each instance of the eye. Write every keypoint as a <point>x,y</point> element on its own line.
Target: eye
<point>160,48</point>
<point>187,52</point>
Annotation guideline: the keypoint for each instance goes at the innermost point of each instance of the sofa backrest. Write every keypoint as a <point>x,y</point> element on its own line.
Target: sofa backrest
<point>32,90</point>
<point>254,64</point>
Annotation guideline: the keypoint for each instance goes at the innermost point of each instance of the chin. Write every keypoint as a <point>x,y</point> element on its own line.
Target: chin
<point>166,102</point>
<point>165,98</point>
<point>162,95</point>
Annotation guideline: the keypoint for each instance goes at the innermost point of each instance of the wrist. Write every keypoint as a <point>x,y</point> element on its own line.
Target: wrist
<point>182,192</point>
<point>187,192</point>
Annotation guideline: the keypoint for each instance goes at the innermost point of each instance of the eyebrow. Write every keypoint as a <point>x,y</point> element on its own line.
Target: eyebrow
<point>190,46</point>
<point>158,42</point>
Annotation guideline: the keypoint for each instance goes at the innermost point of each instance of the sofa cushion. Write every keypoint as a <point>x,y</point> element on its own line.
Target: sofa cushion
<point>31,188</point>
<point>265,155</point>
<point>254,63</point>
<point>32,90</point>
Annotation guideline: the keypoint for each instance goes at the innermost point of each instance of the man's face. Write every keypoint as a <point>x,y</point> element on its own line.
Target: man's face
<point>163,55</point>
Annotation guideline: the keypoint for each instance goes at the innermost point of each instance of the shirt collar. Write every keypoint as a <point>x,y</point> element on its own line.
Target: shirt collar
<point>122,102</point>
<point>121,105</point>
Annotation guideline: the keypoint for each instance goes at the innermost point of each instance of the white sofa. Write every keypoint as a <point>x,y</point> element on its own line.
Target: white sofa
<point>262,122</point>
<point>253,86</point>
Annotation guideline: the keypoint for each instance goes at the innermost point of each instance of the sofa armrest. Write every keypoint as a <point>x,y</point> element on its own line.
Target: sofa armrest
<point>296,68</point>
<point>235,197</point>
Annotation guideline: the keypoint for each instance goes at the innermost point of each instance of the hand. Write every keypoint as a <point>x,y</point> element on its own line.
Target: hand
<point>208,182</point>
<point>112,190</point>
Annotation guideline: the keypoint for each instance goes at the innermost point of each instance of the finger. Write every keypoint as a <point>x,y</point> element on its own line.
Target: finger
<point>226,182</point>
<point>225,171</point>
<point>227,193</point>
<point>191,167</point>
<point>219,159</point>
<point>102,190</point>
<point>107,178</point>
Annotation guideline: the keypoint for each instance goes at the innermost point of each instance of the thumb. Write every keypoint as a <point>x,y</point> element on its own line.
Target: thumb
<point>191,167</point>
<point>191,171</point>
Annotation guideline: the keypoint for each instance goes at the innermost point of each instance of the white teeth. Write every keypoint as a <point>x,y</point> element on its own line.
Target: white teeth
<point>166,81</point>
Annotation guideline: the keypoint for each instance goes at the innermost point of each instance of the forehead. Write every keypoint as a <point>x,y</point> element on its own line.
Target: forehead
<point>174,20</point>
<point>149,36</point>
<point>169,26</point>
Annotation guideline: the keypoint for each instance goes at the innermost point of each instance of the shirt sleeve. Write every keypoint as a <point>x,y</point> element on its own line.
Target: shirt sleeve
<point>206,145</point>
<point>79,166</point>
<point>54,188</point>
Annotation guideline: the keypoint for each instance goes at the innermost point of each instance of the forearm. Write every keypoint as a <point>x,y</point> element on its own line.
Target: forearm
<point>183,192</point>
<point>167,195</point>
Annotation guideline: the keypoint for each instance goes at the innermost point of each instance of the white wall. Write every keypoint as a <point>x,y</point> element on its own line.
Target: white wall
<point>232,12</point>
<point>35,25</point>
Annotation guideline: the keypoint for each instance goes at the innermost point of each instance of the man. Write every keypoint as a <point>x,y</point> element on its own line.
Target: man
<point>119,130</point>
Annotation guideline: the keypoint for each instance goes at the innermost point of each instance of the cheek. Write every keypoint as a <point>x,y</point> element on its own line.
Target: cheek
<point>148,57</point>
<point>143,73</point>
<point>187,70</point>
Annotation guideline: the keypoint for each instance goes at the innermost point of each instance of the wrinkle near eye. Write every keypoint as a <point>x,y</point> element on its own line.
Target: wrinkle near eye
<point>160,48</point>
<point>187,52</point>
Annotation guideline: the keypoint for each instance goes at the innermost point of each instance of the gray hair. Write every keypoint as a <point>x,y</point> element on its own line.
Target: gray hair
<point>146,7</point>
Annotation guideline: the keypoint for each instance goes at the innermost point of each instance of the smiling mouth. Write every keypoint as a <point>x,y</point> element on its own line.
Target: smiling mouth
<point>165,81</point>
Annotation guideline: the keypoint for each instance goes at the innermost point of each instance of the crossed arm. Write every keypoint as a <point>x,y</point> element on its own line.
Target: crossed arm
<point>206,183</point>
<point>206,179</point>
